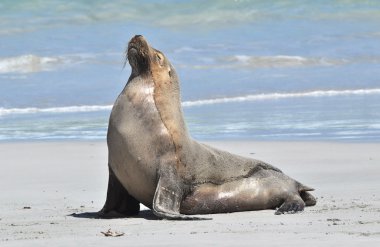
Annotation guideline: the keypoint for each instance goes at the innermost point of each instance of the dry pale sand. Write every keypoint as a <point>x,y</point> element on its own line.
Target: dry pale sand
<point>42,184</point>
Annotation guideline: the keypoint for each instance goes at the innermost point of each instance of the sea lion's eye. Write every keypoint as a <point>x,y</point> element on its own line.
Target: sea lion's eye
<point>159,57</point>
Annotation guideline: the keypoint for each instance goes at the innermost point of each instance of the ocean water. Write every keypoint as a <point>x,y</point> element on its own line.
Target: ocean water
<point>257,70</point>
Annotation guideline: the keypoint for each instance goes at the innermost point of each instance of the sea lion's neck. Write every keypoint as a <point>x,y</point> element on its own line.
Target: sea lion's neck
<point>168,103</point>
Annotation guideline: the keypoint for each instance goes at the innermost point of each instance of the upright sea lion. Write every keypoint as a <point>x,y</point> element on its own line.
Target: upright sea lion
<point>154,161</point>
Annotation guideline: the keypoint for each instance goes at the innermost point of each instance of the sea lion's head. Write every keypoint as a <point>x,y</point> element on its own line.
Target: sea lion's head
<point>147,61</point>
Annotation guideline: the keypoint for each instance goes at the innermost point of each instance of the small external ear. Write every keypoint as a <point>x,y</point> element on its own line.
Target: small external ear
<point>160,58</point>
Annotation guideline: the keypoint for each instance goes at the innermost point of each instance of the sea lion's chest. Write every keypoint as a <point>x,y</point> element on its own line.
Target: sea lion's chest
<point>137,141</point>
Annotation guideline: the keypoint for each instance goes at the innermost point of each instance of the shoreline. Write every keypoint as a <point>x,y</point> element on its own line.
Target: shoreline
<point>45,182</point>
<point>207,141</point>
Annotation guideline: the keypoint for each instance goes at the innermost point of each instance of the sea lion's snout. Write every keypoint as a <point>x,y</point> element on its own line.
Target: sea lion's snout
<point>137,43</point>
<point>138,54</point>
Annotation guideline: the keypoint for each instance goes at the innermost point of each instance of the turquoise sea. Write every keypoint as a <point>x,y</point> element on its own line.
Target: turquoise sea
<point>257,70</point>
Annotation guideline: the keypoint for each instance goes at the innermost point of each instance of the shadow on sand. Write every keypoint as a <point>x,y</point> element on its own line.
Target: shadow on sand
<point>144,214</point>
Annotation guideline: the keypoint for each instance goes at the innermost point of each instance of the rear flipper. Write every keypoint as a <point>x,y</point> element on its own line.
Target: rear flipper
<point>308,198</point>
<point>119,202</point>
<point>291,205</point>
<point>297,202</point>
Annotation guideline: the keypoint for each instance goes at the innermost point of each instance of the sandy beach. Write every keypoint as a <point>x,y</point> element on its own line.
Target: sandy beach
<point>45,183</point>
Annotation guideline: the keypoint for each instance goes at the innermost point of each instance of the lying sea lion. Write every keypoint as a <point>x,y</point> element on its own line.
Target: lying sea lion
<point>154,161</point>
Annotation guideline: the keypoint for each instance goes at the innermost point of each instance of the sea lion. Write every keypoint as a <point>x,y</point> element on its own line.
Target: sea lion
<point>154,161</point>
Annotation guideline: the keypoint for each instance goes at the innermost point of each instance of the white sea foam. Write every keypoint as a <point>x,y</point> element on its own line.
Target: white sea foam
<point>28,64</point>
<point>279,61</point>
<point>66,109</point>
<point>187,49</point>
<point>271,96</point>
<point>245,98</point>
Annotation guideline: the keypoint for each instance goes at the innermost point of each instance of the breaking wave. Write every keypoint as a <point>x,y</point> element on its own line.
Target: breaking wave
<point>245,98</point>
<point>277,61</point>
<point>28,64</point>
<point>271,96</point>
<point>64,109</point>
<point>281,61</point>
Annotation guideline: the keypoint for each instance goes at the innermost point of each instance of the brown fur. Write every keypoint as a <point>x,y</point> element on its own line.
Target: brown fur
<point>152,153</point>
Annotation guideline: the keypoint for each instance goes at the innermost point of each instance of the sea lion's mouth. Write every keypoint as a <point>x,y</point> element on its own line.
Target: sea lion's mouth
<point>136,50</point>
<point>132,48</point>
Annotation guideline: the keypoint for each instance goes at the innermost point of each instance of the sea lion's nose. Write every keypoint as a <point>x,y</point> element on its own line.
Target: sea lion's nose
<point>138,37</point>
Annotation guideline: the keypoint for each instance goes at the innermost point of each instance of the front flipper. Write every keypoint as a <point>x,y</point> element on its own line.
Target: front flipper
<point>119,202</point>
<point>167,200</point>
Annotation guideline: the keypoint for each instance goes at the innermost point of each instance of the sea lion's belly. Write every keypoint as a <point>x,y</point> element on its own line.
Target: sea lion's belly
<point>137,140</point>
